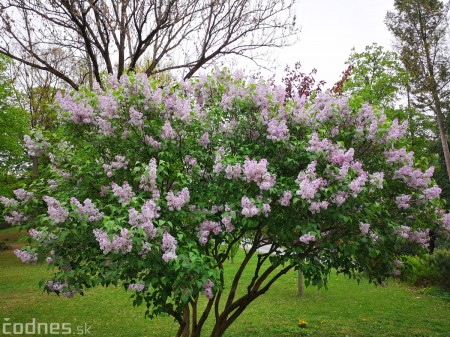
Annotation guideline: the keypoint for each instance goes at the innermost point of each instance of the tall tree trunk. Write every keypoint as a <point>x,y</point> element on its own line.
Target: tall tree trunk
<point>442,132</point>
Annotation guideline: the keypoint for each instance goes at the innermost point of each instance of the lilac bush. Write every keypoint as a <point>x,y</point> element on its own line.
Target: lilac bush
<point>151,187</point>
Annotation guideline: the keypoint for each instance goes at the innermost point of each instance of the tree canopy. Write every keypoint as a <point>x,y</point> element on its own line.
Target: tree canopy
<point>79,40</point>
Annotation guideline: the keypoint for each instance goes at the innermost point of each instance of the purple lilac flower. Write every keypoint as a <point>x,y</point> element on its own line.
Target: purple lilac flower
<point>136,118</point>
<point>277,130</point>
<point>207,289</point>
<point>226,221</point>
<point>167,131</point>
<point>233,171</point>
<point>87,208</point>
<point>8,202</point>
<point>36,147</point>
<point>403,200</point>
<point>124,192</point>
<point>286,198</point>
<point>23,195</point>
<point>431,193</point>
<point>364,228</point>
<point>152,142</point>
<point>257,172</point>
<point>316,206</point>
<point>177,201</point>
<point>306,238</point>
<point>206,227</point>
<point>148,179</point>
<point>137,287</point>
<point>204,140</point>
<point>15,218</point>
<point>55,211</point>
<point>120,162</point>
<point>26,256</point>
<point>168,246</point>
<point>248,207</point>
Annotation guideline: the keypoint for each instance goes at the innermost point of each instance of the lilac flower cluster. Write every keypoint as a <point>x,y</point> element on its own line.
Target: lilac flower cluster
<point>136,118</point>
<point>124,192</point>
<point>55,211</point>
<point>309,183</point>
<point>81,112</point>
<point>206,227</point>
<point>8,202</point>
<point>307,238</point>
<point>148,179</point>
<point>87,208</point>
<point>226,221</point>
<point>414,178</point>
<point>62,288</point>
<point>23,195</point>
<point>207,289</point>
<point>55,286</point>
<point>191,161</point>
<point>119,244</point>
<point>204,140</point>
<point>34,234</point>
<point>286,198</point>
<point>177,201</point>
<point>419,236</point>
<point>168,246</point>
<point>167,132</point>
<point>317,206</point>
<point>120,163</point>
<point>446,221</point>
<point>249,208</point>
<point>144,220</point>
<point>403,200</point>
<point>26,256</point>
<point>431,193</point>
<point>257,172</point>
<point>339,198</point>
<point>277,129</point>
<point>233,171</point>
<point>364,228</point>
<point>396,130</point>
<point>152,142</point>
<point>36,147</point>
<point>15,218</point>
<point>137,287</point>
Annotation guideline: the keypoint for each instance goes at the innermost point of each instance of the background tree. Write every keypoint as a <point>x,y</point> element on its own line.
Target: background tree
<point>115,36</point>
<point>377,76</point>
<point>420,29</point>
<point>13,126</point>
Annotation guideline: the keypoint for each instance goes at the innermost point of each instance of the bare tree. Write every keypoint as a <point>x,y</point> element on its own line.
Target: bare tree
<point>114,36</point>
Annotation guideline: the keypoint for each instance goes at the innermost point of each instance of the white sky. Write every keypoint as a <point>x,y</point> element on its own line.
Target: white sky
<point>330,29</point>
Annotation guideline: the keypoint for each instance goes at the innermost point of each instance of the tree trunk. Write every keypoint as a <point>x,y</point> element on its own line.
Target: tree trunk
<point>442,132</point>
<point>35,167</point>
<point>300,283</point>
<point>184,329</point>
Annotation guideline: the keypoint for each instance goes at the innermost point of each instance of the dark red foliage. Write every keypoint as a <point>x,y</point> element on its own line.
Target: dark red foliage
<point>338,87</point>
<point>300,83</point>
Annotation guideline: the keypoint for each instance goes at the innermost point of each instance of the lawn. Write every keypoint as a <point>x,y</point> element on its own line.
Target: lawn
<point>345,309</point>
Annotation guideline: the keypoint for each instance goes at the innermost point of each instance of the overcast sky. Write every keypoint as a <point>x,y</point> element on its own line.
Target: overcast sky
<point>330,29</point>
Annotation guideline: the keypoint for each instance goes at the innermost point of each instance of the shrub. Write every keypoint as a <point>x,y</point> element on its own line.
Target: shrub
<point>440,263</point>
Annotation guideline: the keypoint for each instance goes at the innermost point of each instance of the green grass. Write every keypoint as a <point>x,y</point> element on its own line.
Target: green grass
<point>345,309</point>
